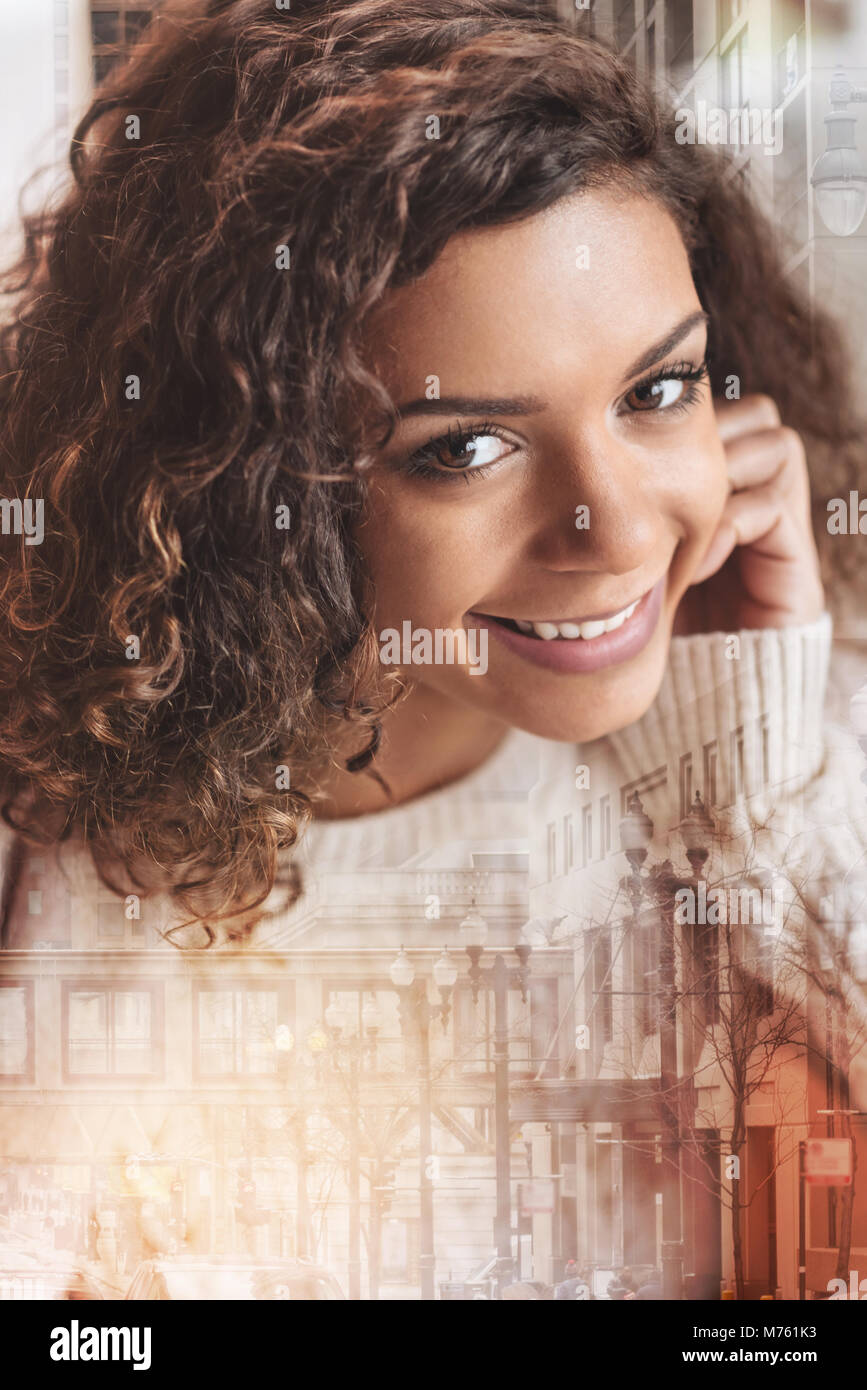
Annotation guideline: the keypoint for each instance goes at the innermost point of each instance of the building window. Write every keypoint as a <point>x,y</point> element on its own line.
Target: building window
<point>734,84</point>
<point>61,75</point>
<point>237,1029</point>
<point>586,835</point>
<point>650,782</point>
<point>112,1030</point>
<point>602,1025</point>
<point>736,744</point>
<point>789,61</point>
<point>729,11</point>
<point>544,1022</point>
<point>109,921</point>
<point>791,173</point>
<point>766,751</point>
<point>604,826</point>
<point>584,18</point>
<point>624,21</point>
<point>530,1026</point>
<point>115,29</point>
<point>678,37</point>
<point>112,922</point>
<point>647,981</point>
<point>44,891</point>
<point>552,850</point>
<point>400,1251</point>
<point>705,937</point>
<point>759,971</point>
<point>685,784</point>
<point>16,1031</point>
<point>568,844</point>
<point>710,772</point>
<point>372,1013</point>
<point>651,52</point>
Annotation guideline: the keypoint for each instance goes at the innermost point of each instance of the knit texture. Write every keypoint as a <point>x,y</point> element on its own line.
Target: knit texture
<point>766,688</point>
<point>797,773</point>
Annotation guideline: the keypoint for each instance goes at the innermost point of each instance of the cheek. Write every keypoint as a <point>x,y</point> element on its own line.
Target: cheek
<point>428,560</point>
<point>699,488</point>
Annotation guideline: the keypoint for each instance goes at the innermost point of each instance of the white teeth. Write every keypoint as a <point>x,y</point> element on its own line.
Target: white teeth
<point>593,628</point>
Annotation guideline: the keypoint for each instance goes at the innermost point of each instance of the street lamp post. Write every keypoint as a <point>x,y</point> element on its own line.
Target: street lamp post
<point>417,1010</point>
<point>839,175</point>
<point>302,1206</point>
<point>309,1061</point>
<point>636,833</point>
<point>357,1050</point>
<point>499,978</point>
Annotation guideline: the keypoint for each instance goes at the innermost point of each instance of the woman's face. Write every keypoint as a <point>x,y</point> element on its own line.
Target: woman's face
<point>553,466</point>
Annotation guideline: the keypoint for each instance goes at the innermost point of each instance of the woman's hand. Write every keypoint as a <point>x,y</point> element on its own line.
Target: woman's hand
<point>761,568</point>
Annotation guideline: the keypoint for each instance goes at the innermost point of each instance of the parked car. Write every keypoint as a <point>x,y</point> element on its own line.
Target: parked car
<point>607,1284</point>
<point>232,1277</point>
<point>29,1279</point>
<point>481,1284</point>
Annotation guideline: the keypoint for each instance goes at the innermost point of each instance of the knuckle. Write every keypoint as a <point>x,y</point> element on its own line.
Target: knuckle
<point>764,407</point>
<point>792,441</point>
<point>778,489</point>
<point>783,447</point>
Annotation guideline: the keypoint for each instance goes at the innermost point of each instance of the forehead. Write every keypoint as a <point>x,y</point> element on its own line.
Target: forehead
<point>587,283</point>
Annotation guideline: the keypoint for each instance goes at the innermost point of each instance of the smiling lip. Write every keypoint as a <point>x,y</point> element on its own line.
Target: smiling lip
<point>579,654</point>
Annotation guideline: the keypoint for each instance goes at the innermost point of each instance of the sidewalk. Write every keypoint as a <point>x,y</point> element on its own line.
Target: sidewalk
<point>111,1284</point>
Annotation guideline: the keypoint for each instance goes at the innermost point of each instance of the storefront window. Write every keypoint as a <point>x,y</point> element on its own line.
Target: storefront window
<point>15,1031</point>
<point>110,1031</point>
<point>237,1031</point>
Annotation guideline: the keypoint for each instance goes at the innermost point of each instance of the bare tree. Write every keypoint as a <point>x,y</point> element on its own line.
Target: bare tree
<point>729,976</point>
<point>743,1003</point>
<point>833,957</point>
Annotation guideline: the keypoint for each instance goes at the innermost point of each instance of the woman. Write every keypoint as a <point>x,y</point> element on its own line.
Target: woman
<point>405,402</point>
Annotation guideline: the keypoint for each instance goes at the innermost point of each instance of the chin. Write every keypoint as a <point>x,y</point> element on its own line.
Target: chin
<point>579,709</point>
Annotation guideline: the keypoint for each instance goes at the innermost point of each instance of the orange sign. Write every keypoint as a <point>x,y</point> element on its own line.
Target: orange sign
<point>828,1162</point>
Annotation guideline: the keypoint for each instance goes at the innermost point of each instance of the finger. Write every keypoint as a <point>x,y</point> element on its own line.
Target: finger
<point>754,459</point>
<point>759,515</point>
<point>722,544</point>
<point>746,416</point>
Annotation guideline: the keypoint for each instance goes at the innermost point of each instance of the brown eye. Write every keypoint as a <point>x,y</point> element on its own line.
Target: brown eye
<point>656,395</point>
<point>471,451</point>
<point>469,454</point>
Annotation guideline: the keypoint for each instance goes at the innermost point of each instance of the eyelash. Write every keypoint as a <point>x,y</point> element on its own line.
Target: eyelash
<point>418,465</point>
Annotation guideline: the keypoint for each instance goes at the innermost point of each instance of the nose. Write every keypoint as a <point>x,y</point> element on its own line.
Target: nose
<point>598,512</point>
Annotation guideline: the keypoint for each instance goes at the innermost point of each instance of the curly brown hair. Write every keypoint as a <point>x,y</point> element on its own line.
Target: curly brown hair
<point>305,130</point>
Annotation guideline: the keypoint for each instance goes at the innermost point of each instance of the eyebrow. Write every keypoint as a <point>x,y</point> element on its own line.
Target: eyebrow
<point>534,405</point>
<point>666,344</point>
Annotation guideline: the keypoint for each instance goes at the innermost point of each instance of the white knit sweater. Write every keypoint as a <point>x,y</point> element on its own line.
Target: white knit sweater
<point>803,770</point>
<point>789,798</point>
<point>798,780</point>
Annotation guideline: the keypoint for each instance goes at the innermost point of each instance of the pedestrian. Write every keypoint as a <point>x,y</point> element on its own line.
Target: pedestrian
<point>574,1286</point>
<point>93,1233</point>
<point>651,1287</point>
<point>545,1291</point>
<point>622,1286</point>
<point>521,1290</point>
